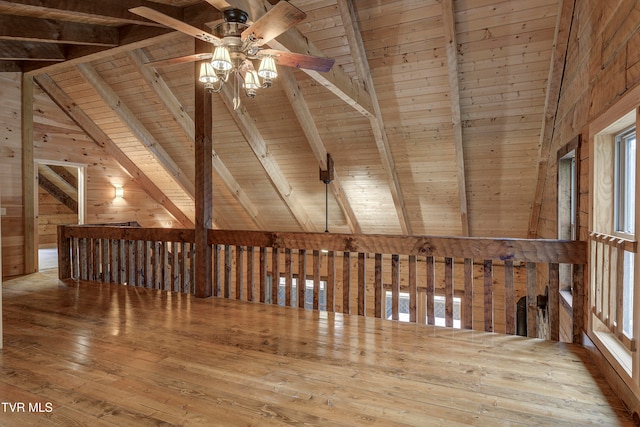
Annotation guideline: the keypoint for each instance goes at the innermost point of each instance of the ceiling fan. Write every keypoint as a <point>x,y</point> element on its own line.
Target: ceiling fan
<point>236,43</point>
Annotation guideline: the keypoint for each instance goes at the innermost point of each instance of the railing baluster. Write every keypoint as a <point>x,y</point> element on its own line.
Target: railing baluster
<point>228,265</point>
<point>217,270</point>
<point>362,283</point>
<point>263,274</point>
<point>302,277</point>
<point>532,303</point>
<point>106,277</point>
<point>251,279</point>
<point>488,295</point>
<point>413,271</point>
<point>275,275</point>
<point>395,287</point>
<point>331,281</point>
<point>316,279</point>
<point>83,259</point>
<point>148,264</point>
<point>114,266</point>
<point>509,299</point>
<point>619,287</point>
<point>554,301</point>
<point>378,286</point>
<point>578,302</point>
<point>240,272</point>
<point>448,292</point>
<point>175,269</point>
<point>122,254</point>
<point>467,305</point>
<point>346,282</point>
<point>431,290</point>
<point>288,276</point>
<point>96,260</point>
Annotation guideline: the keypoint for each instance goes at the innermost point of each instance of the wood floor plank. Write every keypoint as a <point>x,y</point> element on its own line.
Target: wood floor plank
<point>118,355</point>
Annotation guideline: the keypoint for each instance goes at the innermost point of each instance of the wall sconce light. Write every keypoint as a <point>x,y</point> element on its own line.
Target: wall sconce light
<point>119,192</point>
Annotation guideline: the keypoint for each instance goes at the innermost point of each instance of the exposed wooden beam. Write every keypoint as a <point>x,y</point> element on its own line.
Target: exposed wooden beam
<point>30,51</point>
<point>173,106</point>
<point>451,46</point>
<point>303,114</point>
<point>65,174</point>
<point>28,178</point>
<point>204,186</point>
<point>96,11</point>
<point>274,173</point>
<point>79,117</point>
<point>143,135</point>
<point>58,181</point>
<point>352,31</point>
<point>554,82</point>
<point>23,28</point>
<point>57,193</point>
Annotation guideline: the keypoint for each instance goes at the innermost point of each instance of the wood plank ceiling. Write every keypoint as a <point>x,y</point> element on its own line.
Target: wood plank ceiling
<point>433,112</point>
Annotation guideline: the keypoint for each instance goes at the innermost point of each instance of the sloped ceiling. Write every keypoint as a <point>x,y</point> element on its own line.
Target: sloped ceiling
<point>434,113</point>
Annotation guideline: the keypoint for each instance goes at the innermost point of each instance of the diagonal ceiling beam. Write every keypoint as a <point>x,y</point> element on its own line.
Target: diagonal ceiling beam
<point>259,146</point>
<point>79,117</point>
<point>303,114</point>
<point>554,82</point>
<point>57,193</point>
<point>129,119</point>
<point>65,186</point>
<point>451,47</point>
<point>23,28</point>
<point>173,106</point>
<point>359,55</point>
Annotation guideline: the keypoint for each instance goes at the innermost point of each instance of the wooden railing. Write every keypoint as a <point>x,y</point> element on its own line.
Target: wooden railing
<point>384,276</point>
<point>608,276</point>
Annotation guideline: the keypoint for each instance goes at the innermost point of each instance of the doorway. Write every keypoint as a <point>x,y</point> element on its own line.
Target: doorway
<point>60,201</point>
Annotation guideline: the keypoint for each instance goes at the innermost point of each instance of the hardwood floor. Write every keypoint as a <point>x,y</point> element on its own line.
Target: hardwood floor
<point>85,354</point>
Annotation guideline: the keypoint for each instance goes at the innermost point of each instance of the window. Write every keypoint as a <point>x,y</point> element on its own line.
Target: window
<point>625,201</point>
<point>568,207</point>
<point>625,175</point>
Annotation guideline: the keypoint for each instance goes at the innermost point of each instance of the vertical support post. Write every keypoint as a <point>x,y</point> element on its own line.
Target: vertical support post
<point>64,251</point>
<point>362,283</point>
<point>203,183</point>
<point>28,178</point>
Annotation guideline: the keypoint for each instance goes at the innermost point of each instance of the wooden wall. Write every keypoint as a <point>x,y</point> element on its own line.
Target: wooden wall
<point>602,65</point>
<point>10,175</point>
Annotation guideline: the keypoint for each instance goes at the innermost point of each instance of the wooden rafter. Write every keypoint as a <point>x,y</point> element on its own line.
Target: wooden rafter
<point>143,135</point>
<point>79,117</point>
<point>23,28</point>
<point>97,11</point>
<point>359,55</point>
<point>454,96</point>
<point>70,190</point>
<point>259,146</point>
<point>554,82</point>
<point>303,114</point>
<point>58,193</point>
<point>173,106</point>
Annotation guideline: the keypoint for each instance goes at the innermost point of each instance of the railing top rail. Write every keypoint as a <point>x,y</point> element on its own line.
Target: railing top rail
<point>617,241</point>
<point>523,250</point>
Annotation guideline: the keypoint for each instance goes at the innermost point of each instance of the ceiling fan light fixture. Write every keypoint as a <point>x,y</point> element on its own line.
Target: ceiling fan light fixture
<point>267,68</point>
<point>221,59</point>
<point>207,73</point>
<point>251,80</point>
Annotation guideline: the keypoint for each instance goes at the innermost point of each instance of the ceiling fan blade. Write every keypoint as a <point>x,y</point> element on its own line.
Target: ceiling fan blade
<point>180,60</point>
<point>167,21</point>
<point>298,60</point>
<point>221,5</point>
<point>276,21</point>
